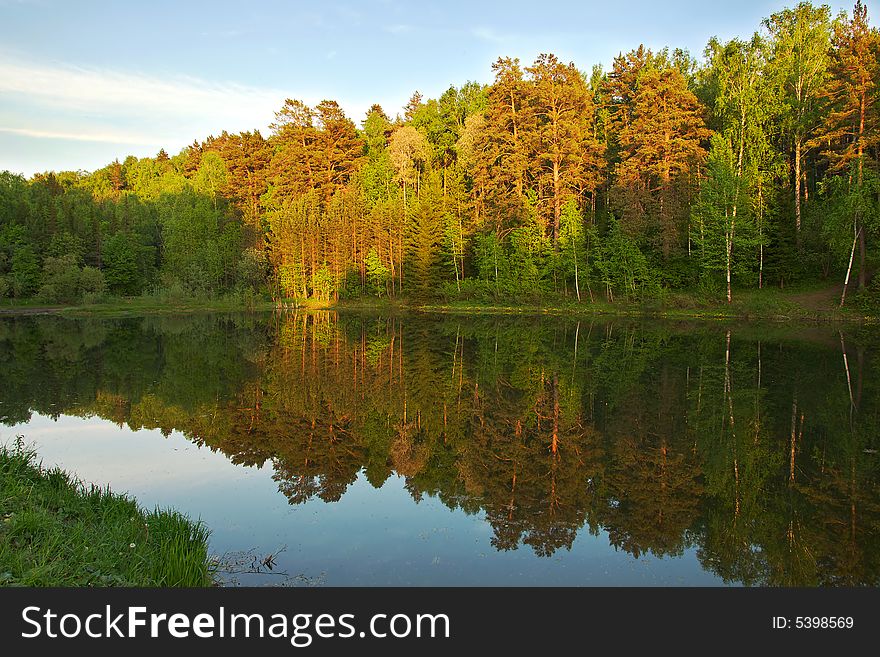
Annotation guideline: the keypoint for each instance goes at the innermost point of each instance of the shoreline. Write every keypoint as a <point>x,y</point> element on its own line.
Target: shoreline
<point>773,306</point>
<point>56,530</point>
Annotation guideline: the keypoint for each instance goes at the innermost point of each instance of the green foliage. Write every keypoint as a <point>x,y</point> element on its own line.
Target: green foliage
<point>848,208</point>
<point>25,272</point>
<point>378,275</point>
<point>91,285</point>
<point>488,259</point>
<point>508,185</point>
<point>528,259</point>
<point>722,224</point>
<point>127,264</point>
<point>424,243</point>
<point>573,257</point>
<point>622,266</point>
<point>211,176</point>
<point>64,281</point>
<point>253,268</point>
<point>66,244</point>
<point>200,245</point>
<point>323,284</point>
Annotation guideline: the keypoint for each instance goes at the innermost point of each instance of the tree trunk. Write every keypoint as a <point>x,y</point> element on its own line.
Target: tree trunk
<point>557,207</point>
<point>729,246</point>
<point>849,267</point>
<point>554,445</point>
<point>793,444</point>
<point>760,238</point>
<point>797,190</point>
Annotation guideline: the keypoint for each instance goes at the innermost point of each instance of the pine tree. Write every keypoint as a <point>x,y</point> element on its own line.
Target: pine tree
<point>851,128</point>
<point>562,147</point>
<point>424,242</point>
<point>499,158</point>
<point>339,149</point>
<point>293,169</point>
<point>660,150</point>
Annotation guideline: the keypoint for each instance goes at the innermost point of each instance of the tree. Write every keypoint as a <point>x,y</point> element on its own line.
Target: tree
<point>425,237</point>
<point>722,232</point>
<point>25,272</point>
<point>377,130</point>
<point>410,155</point>
<point>497,152</point>
<point>850,210</point>
<point>211,176</point>
<point>659,143</point>
<point>798,63</point>
<point>246,157</point>
<point>293,169</point>
<point>65,281</point>
<point>378,274</point>
<point>851,128</point>
<point>743,107</point>
<point>565,152</point>
<point>622,265</point>
<point>200,247</point>
<point>572,246</point>
<point>123,268</point>
<point>339,148</point>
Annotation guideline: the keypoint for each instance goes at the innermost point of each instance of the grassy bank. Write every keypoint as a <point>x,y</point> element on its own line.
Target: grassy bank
<point>758,304</point>
<point>57,531</point>
<point>150,305</point>
<point>817,303</point>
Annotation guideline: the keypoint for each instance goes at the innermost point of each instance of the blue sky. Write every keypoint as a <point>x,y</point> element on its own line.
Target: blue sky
<point>84,82</point>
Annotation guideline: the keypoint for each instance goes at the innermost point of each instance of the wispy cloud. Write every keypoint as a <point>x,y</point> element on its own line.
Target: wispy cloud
<point>86,135</point>
<point>63,107</point>
<point>76,104</point>
<point>99,91</point>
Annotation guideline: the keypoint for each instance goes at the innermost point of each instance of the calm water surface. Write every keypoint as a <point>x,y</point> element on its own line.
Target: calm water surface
<point>372,450</point>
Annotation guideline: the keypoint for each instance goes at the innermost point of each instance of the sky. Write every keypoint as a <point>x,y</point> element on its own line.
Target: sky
<point>85,82</point>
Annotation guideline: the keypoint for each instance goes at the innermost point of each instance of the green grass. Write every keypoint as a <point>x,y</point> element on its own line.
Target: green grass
<point>25,304</point>
<point>679,307</point>
<point>150,305</point>
<point>58,531</point>
<point>768,304</point>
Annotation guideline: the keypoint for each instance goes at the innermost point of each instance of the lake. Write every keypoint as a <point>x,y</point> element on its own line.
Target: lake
<point>330,448</point>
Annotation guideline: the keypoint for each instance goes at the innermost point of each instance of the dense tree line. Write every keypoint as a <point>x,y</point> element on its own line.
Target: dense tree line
<point>757,166</point>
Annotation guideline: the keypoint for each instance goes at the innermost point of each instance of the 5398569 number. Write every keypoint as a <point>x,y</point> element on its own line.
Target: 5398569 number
<point>824,622</point>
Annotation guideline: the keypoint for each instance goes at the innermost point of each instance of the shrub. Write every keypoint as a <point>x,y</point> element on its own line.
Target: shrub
<point>91,286</point>
<point>60,280</point>
<point>65,282</point>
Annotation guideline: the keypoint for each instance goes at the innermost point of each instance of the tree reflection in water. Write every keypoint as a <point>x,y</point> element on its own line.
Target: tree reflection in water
<point>757,446</point>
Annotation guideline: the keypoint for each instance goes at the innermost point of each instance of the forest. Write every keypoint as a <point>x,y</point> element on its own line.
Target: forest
<point>754,167</point>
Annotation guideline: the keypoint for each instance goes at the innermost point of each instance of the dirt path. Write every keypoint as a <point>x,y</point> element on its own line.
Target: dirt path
<point>824,299</point>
